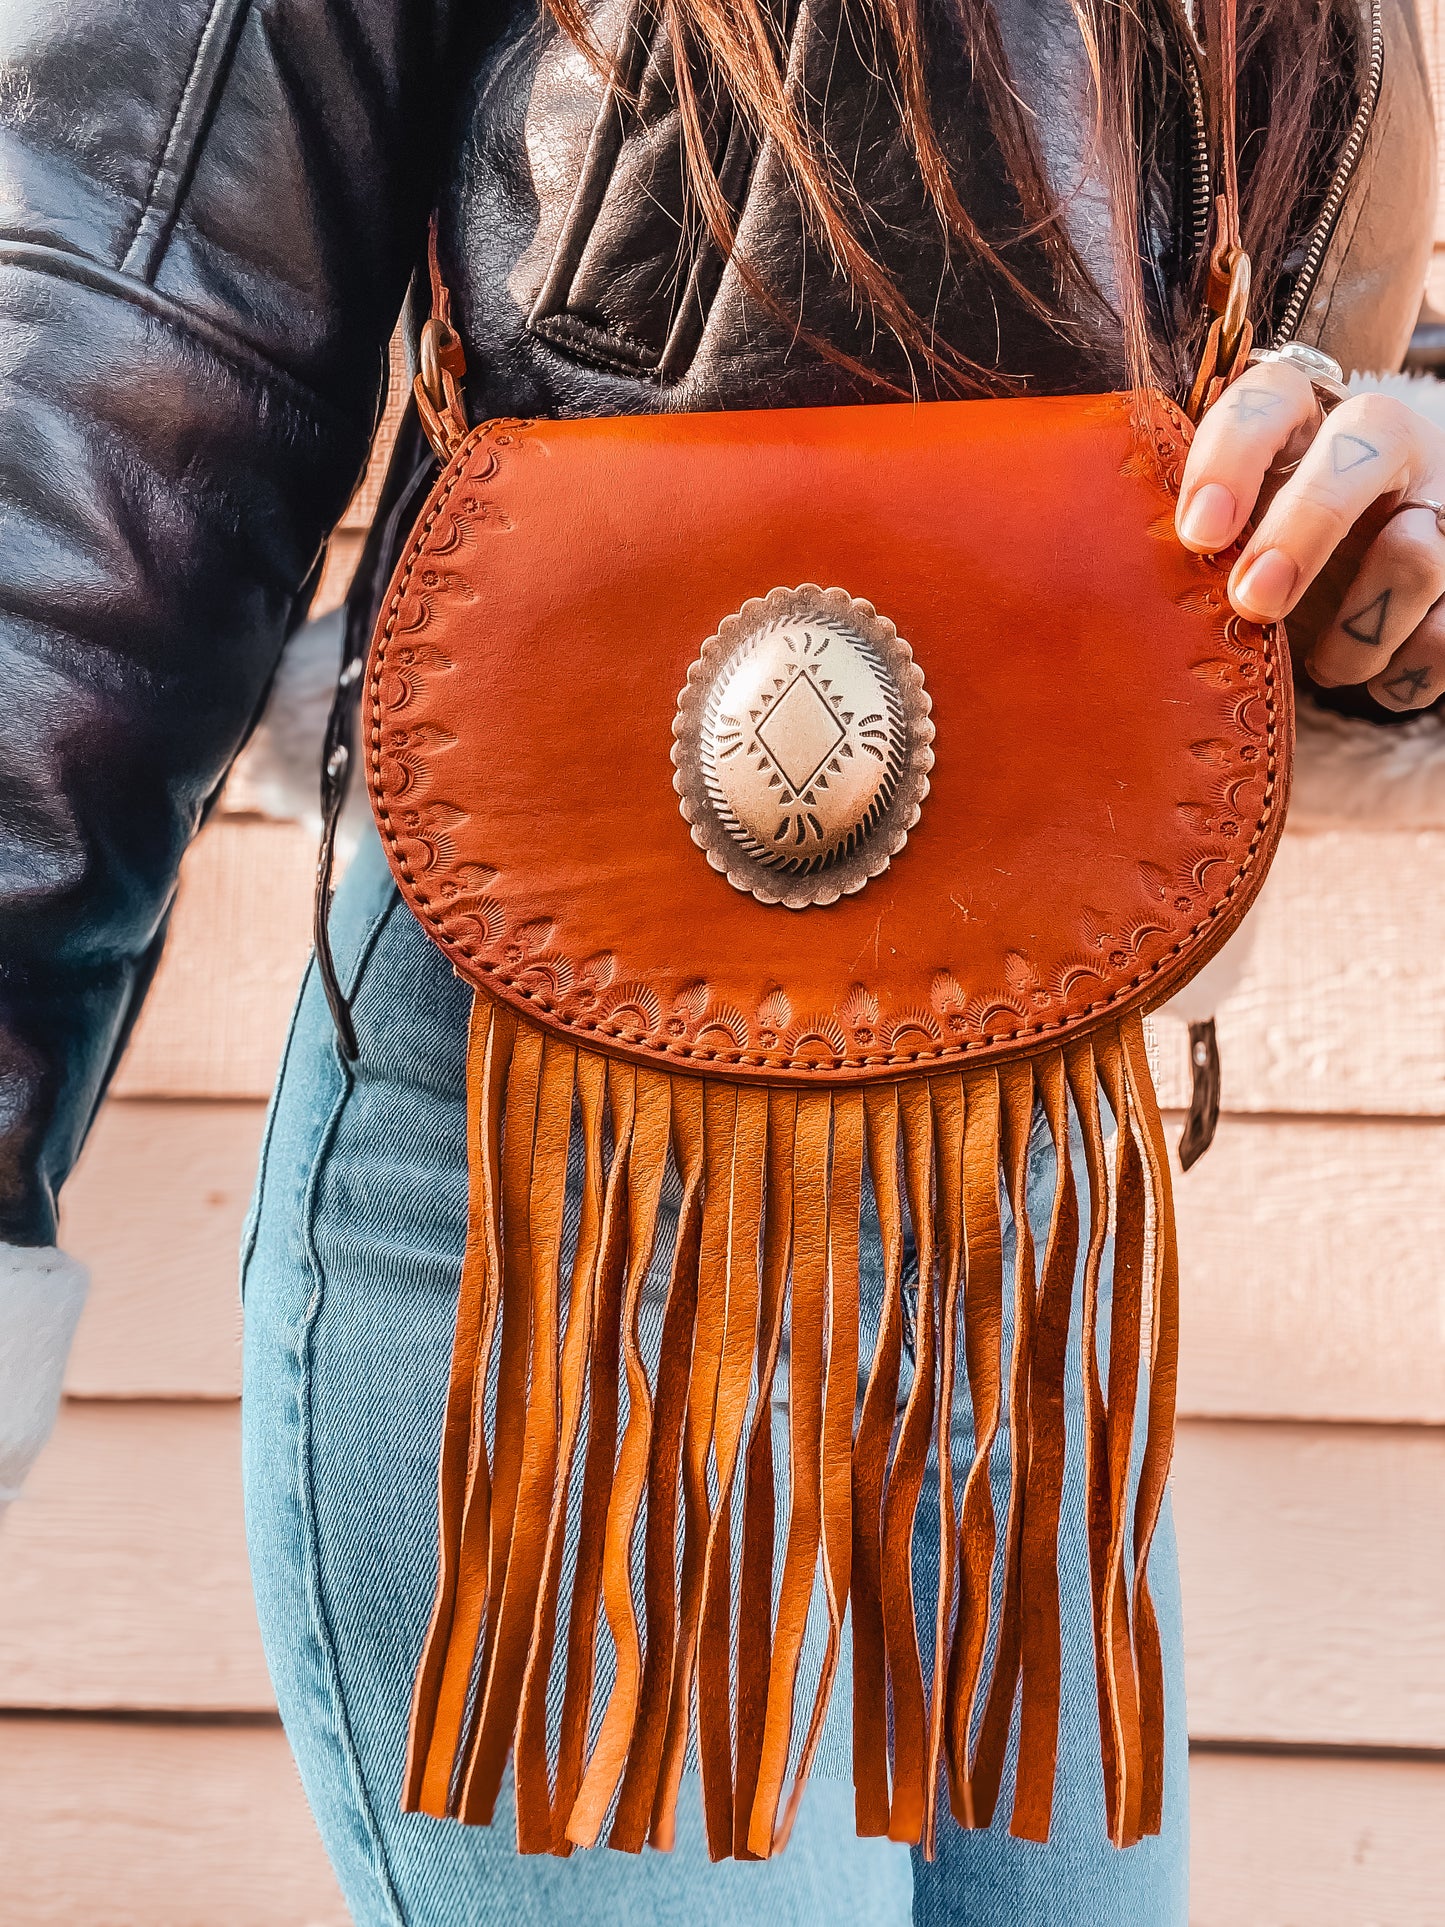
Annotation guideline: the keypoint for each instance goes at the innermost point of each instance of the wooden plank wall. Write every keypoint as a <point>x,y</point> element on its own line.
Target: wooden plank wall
<point>143,1780</point>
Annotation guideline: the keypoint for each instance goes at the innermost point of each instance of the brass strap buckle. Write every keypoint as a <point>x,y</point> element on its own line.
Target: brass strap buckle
<point>438,387</point>
<point>1231,333</point>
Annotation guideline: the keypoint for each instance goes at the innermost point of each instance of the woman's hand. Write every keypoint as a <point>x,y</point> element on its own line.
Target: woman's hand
<point>1368,584</point>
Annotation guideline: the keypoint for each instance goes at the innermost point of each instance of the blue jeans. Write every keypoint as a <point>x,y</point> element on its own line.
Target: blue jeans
<point>350,1278</point>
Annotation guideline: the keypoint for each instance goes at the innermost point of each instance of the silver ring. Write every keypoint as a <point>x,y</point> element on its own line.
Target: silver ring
<point>1327,377</point>
<point>1437,509</point>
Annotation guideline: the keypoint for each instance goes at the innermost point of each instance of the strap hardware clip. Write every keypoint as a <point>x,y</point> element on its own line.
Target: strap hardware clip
<point>1231,334</point>
<point>438,386</point>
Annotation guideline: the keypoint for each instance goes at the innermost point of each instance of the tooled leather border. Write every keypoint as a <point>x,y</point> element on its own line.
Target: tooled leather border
<point>591,999</point>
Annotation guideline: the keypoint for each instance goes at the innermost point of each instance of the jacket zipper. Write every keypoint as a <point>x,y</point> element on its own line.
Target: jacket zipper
<point>1202,179</point>
<point>1340,185</point>
<point>1324,228</point>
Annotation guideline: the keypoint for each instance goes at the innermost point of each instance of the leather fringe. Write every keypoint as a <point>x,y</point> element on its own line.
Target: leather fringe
<point>560,1501</point>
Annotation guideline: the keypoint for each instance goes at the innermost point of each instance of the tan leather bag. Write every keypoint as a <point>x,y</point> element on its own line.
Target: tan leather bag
<point>908,856</point>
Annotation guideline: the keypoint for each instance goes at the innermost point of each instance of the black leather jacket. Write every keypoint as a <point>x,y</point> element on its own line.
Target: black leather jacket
<point>209,212</point>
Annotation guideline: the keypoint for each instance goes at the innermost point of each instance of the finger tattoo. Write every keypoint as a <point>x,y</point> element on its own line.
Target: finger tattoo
<point>1252,405</point>
<point>1367,625</point>
<point>1410,684</point>
<point>1350,451</point>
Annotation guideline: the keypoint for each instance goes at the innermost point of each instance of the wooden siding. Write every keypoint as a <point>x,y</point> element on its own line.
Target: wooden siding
<point>1301,1840</point>
<point>156,1211</point>
<point>123,1823</point>
<point>1311,1283</point>
<point>1314,1571</point>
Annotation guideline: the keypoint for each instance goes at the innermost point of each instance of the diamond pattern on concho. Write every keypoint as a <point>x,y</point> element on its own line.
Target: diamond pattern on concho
<point>803,745</point>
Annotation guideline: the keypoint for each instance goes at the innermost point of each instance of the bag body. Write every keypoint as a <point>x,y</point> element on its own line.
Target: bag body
<point>808,798</point>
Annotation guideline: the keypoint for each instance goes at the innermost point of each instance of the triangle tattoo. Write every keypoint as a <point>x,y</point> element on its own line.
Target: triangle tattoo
<point>1410,685</point>
<point>1350,451</point>
<point>1367,625</point>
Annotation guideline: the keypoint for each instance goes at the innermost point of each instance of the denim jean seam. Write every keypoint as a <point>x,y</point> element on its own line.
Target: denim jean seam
<point>252,1228</point>
<point>353,977</point>
<point>324,1633</point>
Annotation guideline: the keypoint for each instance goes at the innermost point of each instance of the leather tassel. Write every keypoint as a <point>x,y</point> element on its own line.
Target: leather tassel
<point>603,1406</point>
<point>735,1375</point>
<point>1159,1435</point>
<point>639,1787</point>
<point>755,1613</point>
<point>1116,1653</point>
<point>948,1115</point>
<point>720,1131</point>
<point>805,1442</point>
<point>871,1793</point>
<point>720,1108</point>
<point>647,1163</point>
<point>1017,1087</point>
<point>536,1313</point>
<point>440,1695</point>
<point>983,1354</point>
<point>537,1824</point>
<point>844,1207</point>
<point>549,1477</point>
<point>905,1669</point>
<point>1040,1644</point>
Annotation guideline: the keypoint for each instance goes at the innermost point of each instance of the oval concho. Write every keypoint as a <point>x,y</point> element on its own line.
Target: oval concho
<point>803,745</point>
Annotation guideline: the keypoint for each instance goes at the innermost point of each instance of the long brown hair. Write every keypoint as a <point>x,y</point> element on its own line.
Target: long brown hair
<point>1298,62</point>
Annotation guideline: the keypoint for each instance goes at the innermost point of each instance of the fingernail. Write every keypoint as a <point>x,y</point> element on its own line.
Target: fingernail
<point>1265,588</point>
<point>1209,517</point>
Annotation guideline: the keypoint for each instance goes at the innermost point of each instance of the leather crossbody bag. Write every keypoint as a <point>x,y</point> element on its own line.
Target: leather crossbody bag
<point>814,802</point>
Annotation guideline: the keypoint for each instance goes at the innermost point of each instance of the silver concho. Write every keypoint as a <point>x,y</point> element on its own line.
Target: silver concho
<point>803,746</point>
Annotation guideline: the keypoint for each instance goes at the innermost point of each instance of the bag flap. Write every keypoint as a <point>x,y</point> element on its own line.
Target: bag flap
<point>1109,742</point>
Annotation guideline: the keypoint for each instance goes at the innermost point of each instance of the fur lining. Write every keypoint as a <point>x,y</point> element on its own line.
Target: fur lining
<point>1424,393</point>
<point>41,1295</point>
<point>1352,774</point>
